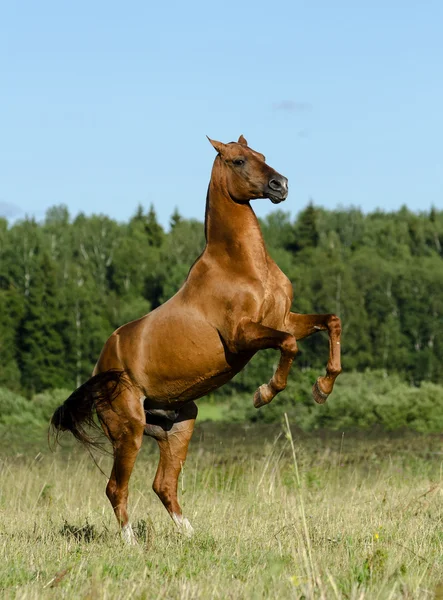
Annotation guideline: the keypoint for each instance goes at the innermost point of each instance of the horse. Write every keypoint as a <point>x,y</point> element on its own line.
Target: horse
<point>235,301</point>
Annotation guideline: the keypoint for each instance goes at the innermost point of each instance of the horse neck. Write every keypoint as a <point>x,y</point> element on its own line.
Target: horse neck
<point>232,229</point>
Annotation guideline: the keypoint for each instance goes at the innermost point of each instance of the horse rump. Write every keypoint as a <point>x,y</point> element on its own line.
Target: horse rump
<point>77,412</point>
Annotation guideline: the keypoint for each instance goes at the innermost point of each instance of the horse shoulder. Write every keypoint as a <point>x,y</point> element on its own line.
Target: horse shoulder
<point>278,297</point>
<point>225,299</point>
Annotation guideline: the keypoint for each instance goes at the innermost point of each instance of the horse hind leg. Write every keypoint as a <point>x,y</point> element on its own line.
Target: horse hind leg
<point>173,439</point>
<point>123,424</point>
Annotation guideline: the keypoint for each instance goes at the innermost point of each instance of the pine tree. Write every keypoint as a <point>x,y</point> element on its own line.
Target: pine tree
<point>175,219</point>
<point>306,234</point>
<point>40,345</point>
<point>139,216</point>
<point>153,229</point>
<point>11,309</point>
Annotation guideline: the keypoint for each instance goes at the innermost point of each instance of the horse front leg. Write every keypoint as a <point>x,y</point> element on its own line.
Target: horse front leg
<point>252,336</point>
<point>301,326</point>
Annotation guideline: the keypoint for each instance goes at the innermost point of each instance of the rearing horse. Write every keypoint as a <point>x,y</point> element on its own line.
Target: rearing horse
<point>234,302</point>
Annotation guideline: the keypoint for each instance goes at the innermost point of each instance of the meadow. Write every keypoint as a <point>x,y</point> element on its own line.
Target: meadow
<point>321,514</point>
<point>278,513</point>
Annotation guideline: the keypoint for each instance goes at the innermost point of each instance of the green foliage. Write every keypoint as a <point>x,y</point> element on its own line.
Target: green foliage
<point>360,401</point>
<point>306,232</point>
<point>36,412</point>
<point>67,283</point>
<point>40,343</point>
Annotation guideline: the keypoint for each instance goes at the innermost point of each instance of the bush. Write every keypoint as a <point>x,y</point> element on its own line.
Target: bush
<point>359,401</point>
<point>17,410</point>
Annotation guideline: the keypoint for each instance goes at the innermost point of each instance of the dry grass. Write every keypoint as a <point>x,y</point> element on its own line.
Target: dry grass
<point>361,520</point>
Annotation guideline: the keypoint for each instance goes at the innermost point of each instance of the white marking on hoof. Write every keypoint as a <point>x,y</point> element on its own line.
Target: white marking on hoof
<point>128,535</point>
<point>183,525</point>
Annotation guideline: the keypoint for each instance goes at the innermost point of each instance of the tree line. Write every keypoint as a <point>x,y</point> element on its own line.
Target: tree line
<point>67,283</point>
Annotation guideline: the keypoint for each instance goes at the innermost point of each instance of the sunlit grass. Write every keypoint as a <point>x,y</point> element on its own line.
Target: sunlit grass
<point>372,524</point>
<point>211,411</point>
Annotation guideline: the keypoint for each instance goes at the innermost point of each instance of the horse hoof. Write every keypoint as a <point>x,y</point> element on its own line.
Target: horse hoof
<point>319,396</point>
<point>184,527</point>
<point>263,396</point>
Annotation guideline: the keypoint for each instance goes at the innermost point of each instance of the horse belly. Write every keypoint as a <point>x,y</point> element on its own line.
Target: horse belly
<point>183,359</point>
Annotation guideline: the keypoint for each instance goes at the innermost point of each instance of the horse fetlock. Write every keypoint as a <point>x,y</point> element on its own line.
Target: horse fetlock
<point>277,384</point>
<point>263,395</point>
<point>334,371</point>
<point>319,395</point>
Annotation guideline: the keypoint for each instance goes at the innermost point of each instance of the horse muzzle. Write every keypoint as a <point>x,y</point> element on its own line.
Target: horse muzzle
<point>277,189</point>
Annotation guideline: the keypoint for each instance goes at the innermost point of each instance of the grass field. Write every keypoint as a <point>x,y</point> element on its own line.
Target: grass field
<point>339,517</point>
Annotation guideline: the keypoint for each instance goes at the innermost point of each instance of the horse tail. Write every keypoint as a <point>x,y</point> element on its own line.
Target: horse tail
<point>77,412</point>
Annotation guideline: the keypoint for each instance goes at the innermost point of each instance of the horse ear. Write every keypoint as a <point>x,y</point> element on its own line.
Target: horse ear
<point>219,146</point>
<point>242,141</point>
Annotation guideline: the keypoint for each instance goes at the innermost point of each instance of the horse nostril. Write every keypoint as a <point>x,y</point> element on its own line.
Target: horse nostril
<point>275,184</point>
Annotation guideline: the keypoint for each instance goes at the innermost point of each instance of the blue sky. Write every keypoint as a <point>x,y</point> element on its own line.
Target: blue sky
<point>105,105</point>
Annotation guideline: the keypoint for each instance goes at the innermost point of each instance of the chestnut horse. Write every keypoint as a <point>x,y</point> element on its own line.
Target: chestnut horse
<point>234,302</point>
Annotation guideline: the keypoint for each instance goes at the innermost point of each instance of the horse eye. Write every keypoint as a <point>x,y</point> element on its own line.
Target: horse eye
<point>238,162</point>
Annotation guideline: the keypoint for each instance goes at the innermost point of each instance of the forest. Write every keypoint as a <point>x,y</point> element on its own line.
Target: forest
<point>66,283</point>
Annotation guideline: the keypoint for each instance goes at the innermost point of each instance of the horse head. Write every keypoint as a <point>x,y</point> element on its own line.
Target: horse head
<point>246,174</point>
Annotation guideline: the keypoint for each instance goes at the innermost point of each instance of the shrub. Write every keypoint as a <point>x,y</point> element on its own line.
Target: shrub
<point>17,410</point>
<point>359,401</point>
